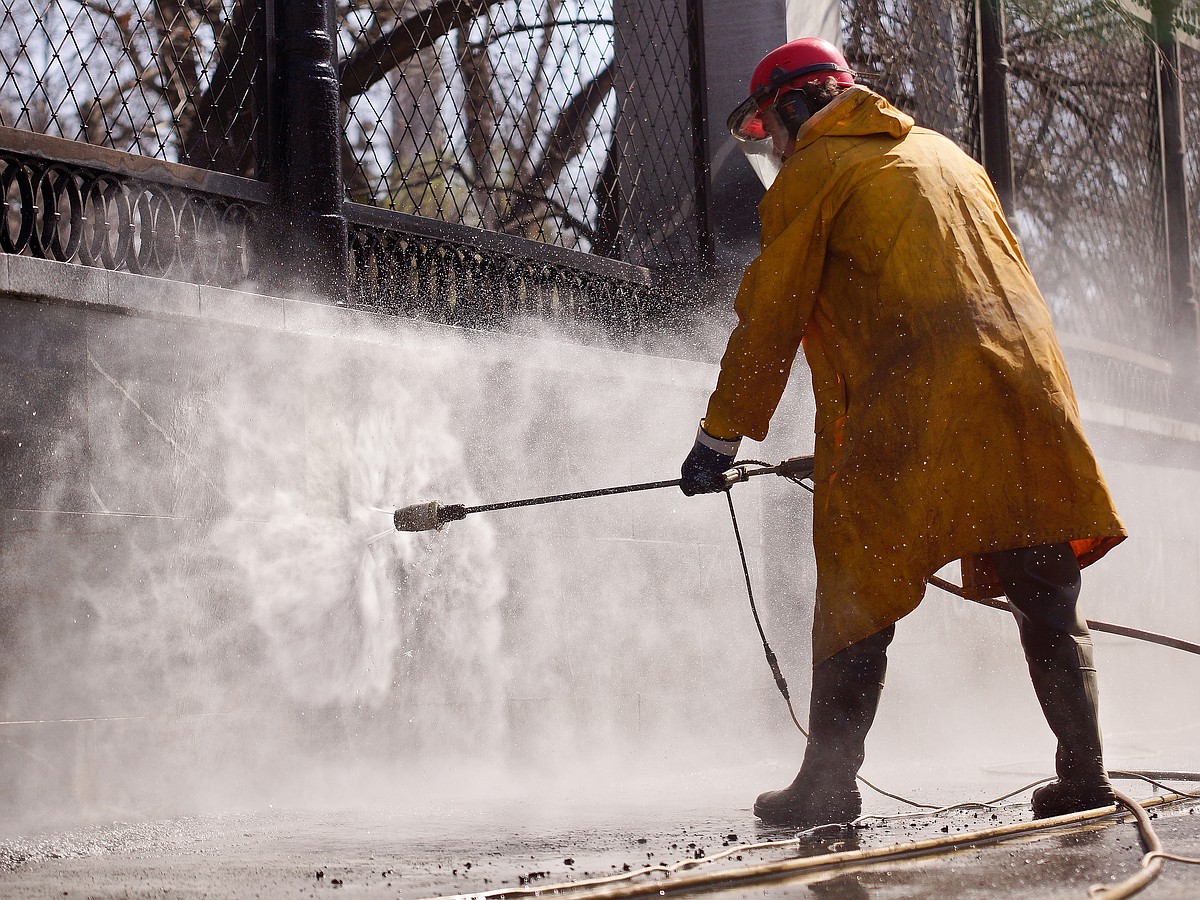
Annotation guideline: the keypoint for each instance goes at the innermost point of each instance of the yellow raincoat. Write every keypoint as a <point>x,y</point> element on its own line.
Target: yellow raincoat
<point>946,425</point>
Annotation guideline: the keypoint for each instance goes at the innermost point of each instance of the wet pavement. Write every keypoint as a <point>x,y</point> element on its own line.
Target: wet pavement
<point>430,850</point>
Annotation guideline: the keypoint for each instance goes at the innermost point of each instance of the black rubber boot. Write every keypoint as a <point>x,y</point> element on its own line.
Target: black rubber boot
<point>1043,584</point>
<point>845,695</point>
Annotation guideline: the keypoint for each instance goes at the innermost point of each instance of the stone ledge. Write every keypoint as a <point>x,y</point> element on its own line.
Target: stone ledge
<point>71,284</point>
<point>1119,417</point>
<point>48,281</point>
<point>317,319</point>
<point>1134,436</point>
<point>241,308</point>
<point>43,279</point>
<point>146,296</point>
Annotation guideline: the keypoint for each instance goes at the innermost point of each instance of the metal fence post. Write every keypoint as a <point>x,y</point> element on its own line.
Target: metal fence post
<point>311,247</point>
<point>700,166</point>
<point>995,139</point>
<point>1185,320</point>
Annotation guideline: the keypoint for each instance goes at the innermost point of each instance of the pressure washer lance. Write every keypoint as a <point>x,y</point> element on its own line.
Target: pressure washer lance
<point>432,516</point>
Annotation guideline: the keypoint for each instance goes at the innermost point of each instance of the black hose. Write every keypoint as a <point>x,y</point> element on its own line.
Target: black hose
<point>1150,637</point>
<point>772,660</point>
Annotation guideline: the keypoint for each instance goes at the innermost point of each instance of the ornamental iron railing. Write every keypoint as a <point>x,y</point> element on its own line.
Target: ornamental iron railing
<point>409,266</point>
<point>71,202</point>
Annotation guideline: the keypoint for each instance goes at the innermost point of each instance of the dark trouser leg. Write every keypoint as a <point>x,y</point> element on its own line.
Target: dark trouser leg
<point>845,695</point>
<point>1042,584</point>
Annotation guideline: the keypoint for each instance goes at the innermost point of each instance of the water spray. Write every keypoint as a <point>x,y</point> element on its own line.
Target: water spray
<point>432,515</point>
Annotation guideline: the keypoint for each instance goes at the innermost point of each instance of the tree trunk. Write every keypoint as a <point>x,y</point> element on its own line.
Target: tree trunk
<point>475,66</point>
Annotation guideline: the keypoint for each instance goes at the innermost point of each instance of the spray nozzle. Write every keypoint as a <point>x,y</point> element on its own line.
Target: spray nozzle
<point>429,516</point>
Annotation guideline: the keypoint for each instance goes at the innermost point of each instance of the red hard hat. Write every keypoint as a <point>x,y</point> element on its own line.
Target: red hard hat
<point>796,62</point>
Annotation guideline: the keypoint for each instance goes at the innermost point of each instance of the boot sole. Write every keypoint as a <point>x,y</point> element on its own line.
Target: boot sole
<point>801,818</point>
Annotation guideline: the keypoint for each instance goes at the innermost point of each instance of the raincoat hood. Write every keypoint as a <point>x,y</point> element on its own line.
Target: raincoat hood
<point>856,112</point>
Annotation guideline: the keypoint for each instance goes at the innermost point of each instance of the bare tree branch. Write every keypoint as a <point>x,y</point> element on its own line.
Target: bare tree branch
<point>570,131</point>
<point>534,102</point>
<point>179,63</point>
<point>97,117</point>
<point>224,125</point>
<point>567,139</point>
<point>608,203</point>
<point>549,26</point>
<point>480,114</point>
<point>369,64</point>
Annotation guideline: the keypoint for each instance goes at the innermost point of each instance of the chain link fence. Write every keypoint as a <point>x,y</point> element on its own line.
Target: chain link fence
<point>1189,74</point>
<point>921,56</point>
<point>562,121</point>
<point>178,80</point>
<point>573,123</point>
<point>1084,128</point>
<point>1086,164</point>
<point>568,122</point>
<point>503,123</point>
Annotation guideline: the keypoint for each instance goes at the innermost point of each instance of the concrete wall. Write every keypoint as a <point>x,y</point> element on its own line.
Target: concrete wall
<point>191,610</point>
<point>186,489</point>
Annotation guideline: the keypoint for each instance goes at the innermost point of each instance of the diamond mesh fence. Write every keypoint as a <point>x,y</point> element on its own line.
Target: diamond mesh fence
<point>655,210</point>
<point>178,80</point>
<point>574,122</point>
<point>1085,140</point>
<point>922,57</point>
<point>1189,76</point>
<point>526,117</point>
<point>1084,130</point>
<point>1083,121</point>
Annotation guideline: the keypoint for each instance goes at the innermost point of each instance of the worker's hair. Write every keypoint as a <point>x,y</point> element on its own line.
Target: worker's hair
<point>796,110</point>
<point>822,93</point>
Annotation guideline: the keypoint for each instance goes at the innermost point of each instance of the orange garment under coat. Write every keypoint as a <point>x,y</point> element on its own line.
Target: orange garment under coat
<point>946,425</point>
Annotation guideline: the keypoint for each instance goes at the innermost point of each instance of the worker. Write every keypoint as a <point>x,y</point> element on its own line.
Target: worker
<point>946,426</point>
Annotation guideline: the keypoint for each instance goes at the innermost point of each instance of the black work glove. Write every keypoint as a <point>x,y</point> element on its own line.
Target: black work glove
<point>710,458</point>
